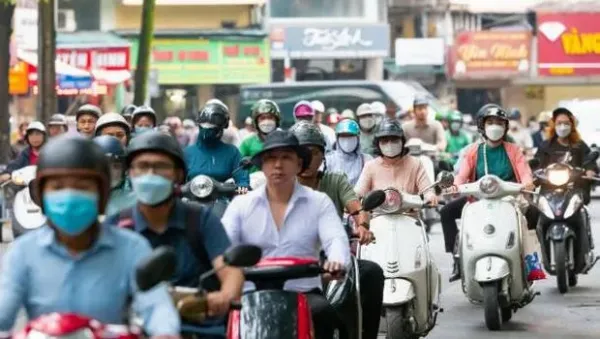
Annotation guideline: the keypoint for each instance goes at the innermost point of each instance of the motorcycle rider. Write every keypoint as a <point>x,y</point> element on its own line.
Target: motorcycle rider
<point>368,119</point>
<point>285,218</point>
<point>143,120</point>
<point>394,168</point>
<point>73,264</point>
<point>127,112</point>
<point>421,127</point>
<point>304,111</point>
<point>57,125</point>
<point>456,137</point>
<point>121,196</point>
<point>211,156</point>
<point>115,125</point>
<point>266,118</point>
<point>540,135</point>
<point>341,192</point>
<point>156,168</point>
<point>348,114</point>
<point>347,157</point>
<point>518,133</point>
<point>333,117</point>
<point>504,159</point>
<point>86,118</point>
<point>35,136</point>
<point>327,131</point>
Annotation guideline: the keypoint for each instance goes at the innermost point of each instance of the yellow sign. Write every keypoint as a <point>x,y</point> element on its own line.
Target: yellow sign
<point>18,82</point>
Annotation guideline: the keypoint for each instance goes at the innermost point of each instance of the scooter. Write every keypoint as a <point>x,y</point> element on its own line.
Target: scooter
<point>425,152</point>
<point>25,215</point>
<point>563,220</point>
<point>491,249</point>
<point>412,280</point>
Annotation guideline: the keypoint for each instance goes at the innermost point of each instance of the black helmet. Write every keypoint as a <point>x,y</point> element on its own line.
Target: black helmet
<point>72,155</point>
<point>214,113</point>
<point>265,106</point>
<point>561,110</point>
<point>390,128</point>
<point>490,110</point>
<point>128,110</point>
<point>143,111</point>
<point>111,146</point>
<point>88,109</point>
<point>155,141</point>
<point>308,134</point>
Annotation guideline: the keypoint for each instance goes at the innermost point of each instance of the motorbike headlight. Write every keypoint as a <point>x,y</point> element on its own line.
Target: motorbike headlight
<point>393,201</point>
<point>558,176</point>
<point>573,206</point>
<point>489,185</point>
<point>544,207</point>
<point>201,186</point>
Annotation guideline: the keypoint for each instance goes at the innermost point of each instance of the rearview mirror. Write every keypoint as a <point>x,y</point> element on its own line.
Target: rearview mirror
<point>373,200</point>
<point>158,267</point>
<point>242,256</point>
<point>534,163</point>
<point>591,158</point>
<point>245,163</point>
<point>445,179</point>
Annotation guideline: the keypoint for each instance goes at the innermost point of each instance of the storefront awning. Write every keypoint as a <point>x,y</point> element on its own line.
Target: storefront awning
<point>107,77</point>
<point>62,68</point>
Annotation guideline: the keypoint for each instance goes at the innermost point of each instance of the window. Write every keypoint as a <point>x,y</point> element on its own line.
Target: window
<point>316,8</point>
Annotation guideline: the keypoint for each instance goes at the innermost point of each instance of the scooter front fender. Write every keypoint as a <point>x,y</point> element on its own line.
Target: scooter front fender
<point>397,292</point>
<point>490,268</point>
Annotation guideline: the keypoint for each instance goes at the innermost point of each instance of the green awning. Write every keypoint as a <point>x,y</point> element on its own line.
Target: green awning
<point>90,39</point>
<point>390,66</point>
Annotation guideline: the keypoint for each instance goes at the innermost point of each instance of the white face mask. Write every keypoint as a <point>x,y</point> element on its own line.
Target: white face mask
<point>455,126</point>
<point>366,123</point>
<point>391,149</point>
<point>348,144</point>
<point>494,132</point>
<point>267,126</point>
<point>563,130</point>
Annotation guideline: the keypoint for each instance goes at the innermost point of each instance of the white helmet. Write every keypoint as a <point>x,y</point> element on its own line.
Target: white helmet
<point>188,123</point>
<point>364,109</point>
<point>57,120</point>
<point>318,106</point>
<point>347,114</point>
<point>36,126</point>
<point>110,119</point>
<point>378,107</point>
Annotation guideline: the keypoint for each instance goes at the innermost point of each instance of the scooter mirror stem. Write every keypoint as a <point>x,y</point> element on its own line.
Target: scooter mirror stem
<point>207,275</point>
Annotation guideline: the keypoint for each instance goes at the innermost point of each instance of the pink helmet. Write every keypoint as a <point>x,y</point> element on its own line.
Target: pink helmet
<point>303,109</point>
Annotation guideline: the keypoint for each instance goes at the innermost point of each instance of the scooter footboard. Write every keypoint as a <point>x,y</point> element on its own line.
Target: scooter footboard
<point>273,315</point>
<point>397,291</point>
<point>491,268</point>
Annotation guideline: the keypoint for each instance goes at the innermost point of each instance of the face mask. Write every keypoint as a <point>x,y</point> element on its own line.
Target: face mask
<point>455,126</point>
<point>208,135</point>
<point>348,144</point>
<point>267,126</point>
<point>141,129</point>
<point>494,132</point>
<point>71,211</point>
<point>563,130</point>
<point>152,189</point>
<point>366,123</point>
<point>391,149</point>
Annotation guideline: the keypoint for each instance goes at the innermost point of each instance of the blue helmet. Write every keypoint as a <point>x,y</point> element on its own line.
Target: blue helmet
<point>347,126</point>
<point>111,146</point>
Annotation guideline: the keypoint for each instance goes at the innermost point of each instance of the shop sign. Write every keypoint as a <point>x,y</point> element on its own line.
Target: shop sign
<point>330,41</point>
<point>568,44</point>
<point>18,81</point>
<point>109,58</point>
<point>490,54</point>
<point>180,62</point>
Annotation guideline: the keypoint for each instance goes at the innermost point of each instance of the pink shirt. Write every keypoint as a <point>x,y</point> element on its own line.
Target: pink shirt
<point>406,174</point>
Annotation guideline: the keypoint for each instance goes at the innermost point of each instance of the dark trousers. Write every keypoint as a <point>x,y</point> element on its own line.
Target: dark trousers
<point>453,210</point>
<point>371,296</point>
<point>324,317</point>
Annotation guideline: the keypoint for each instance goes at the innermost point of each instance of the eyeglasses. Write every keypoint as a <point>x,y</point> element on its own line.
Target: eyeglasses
<point>160,168</point>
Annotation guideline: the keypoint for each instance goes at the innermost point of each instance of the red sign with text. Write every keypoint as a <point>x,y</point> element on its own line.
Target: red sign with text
<point>568,44</point>
<point>110,58</point>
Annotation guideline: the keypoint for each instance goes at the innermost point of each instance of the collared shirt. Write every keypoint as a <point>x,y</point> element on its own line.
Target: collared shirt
<point>215,240</point>
<point>39,274</point>
<point>310,222</point>
<point>432,132</point>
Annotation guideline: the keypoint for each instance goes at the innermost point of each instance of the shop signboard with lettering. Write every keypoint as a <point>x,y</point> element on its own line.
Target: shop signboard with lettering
<point>187,61</point>
<point>490,54</point>
<point>568,43</point>
<point>107,58</point>
<point>330,41</point>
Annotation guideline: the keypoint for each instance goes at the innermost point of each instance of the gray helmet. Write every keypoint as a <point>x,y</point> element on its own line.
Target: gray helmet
<point>88,109</point>
<point>420,101</point>
<point>389,128</point>
<point>308,134</point>
<point>490,110</point>
<point>143,111</point>
<point>158,142</point>
<point>57,120</point>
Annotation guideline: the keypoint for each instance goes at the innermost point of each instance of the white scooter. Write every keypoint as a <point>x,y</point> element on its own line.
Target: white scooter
<point>425,152</point>
<point>412,280</point>
<point>491,249</point>
<point>25,215</point>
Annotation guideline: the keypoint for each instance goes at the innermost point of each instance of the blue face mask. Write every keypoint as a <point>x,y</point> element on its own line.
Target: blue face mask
<point>139,129</point>
<point>208,135</point>
<point>71,211</point>
<point>152,189</point>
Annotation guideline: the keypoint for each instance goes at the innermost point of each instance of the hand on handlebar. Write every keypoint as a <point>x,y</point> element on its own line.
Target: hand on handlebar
<point>241,190</point>
<point>432,200</point>
<point>4,177</point>
<point>364,235</point>
<point>335,270</point>
<point>530,186</point>
<point>590,173</point>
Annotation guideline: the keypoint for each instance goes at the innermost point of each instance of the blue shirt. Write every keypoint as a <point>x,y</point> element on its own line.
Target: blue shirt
<point>120,198</point>
<point>310,222</point>
<point>39,274</point>
<point>217,161</point>
<point>215,240</point>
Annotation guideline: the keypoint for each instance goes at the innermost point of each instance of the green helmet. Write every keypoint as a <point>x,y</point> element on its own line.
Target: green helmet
<point>309,134</point>
<point>265,106</point>
<point>455,116</point>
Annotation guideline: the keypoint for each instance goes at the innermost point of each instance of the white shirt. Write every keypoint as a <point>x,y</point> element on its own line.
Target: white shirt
<point>310,222</point>
<point>329,134</point>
